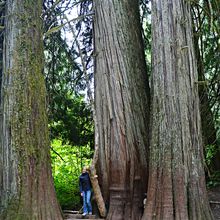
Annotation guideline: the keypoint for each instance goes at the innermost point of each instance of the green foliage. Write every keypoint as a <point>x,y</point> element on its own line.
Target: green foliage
<point>72,120</point>
<point>214,180</point>
<point>70,117</point>
<point>210,152</point>
<point>67,163</point>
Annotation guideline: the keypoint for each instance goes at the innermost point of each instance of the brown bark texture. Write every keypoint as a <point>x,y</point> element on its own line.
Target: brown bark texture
<point>121,107</point>
<point>176,187</point>
<point>94,179</point>
<point>2,16</point>
<point>26,184</point>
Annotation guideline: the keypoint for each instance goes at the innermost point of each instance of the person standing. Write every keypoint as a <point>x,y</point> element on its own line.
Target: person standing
<point>85,190</point>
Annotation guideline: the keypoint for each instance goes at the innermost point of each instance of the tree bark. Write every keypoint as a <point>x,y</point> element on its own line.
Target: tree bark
<point>26,184</point>
<point>93,176</point>
<point>2,18</point>
<point>176,187</point>
<point>121,107</point>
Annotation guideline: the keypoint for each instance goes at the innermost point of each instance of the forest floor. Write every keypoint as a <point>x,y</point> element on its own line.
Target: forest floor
<point>70,216</point>
<point>214,198</point>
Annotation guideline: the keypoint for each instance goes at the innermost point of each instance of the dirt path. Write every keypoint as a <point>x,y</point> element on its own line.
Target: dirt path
<point>214,198</point>
<point>73,215</point>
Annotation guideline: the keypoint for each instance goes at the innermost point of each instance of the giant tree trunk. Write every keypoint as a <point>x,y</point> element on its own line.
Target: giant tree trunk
<point>176,188</point>
<point>121,106</point>
<point>2,16</point>
<point>26,184</point>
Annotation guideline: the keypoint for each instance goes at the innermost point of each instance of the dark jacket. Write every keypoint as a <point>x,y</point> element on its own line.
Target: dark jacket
<point>84,182</point>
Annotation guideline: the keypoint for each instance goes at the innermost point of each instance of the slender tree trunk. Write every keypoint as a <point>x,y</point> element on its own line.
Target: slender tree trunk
<point>176,188</point>
<point>121,107</point>
<point>95,184</point>
<point>26,187</point>
<point>207,119</point>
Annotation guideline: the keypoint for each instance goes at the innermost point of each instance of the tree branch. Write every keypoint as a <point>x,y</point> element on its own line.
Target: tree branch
<point>59,27</point>
<point>57,154</point>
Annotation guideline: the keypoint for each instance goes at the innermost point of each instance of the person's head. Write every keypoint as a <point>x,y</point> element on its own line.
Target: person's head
<point>84,169</point>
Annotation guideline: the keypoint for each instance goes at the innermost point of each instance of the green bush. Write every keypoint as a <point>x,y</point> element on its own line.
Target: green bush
<point>67,163</point>
<point>210,152</point>
<point>214,180</point>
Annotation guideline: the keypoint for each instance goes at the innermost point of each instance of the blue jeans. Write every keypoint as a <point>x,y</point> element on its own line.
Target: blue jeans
<point>87,207</point>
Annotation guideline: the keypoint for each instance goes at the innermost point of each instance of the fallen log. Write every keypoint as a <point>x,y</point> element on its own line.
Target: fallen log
<point>94,178</point>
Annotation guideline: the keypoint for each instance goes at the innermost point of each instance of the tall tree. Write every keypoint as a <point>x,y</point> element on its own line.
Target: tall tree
<point>26,185</point>
<point>206,39</point>
<point>2,13</point>
<point>121,106</point>
<point>176,187</point>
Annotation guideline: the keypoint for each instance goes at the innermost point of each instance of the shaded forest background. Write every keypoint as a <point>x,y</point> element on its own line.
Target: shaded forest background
<point>69,77</point>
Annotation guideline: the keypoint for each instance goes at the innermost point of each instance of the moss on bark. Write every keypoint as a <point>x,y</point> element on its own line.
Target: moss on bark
<point>30,195</point>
